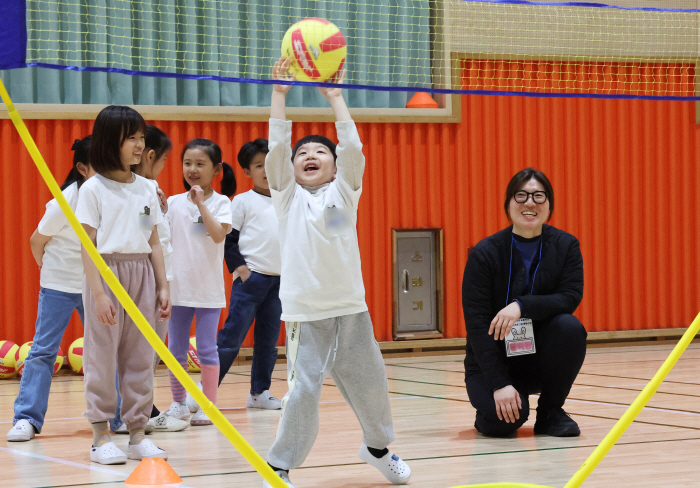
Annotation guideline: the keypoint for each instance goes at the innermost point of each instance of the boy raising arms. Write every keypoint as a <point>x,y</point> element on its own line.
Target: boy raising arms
<point>315,191</point>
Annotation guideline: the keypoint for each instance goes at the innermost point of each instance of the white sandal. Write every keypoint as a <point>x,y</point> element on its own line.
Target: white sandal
<point>390,465</point>
<point>107,453</point>
<point>145,449</point>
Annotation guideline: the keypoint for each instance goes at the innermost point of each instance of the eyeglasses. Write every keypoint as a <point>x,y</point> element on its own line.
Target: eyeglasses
<point>523,196</point>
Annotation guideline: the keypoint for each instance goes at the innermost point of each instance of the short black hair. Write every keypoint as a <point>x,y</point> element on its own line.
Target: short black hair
<point>213,152</point>
<point>157,140</point>
<point>317,139</point>
<point>80,148</point>
<point>520,179</point>
<point>112,127</point>
<point>249,150</point>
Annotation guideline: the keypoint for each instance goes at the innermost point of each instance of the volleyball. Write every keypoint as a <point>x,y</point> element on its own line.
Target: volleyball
<point>7,359</point>
<point>192,358</point>
<point>317,47</point>
<point>59,361</point>
<point>75,356</point>
<point>21,356</point>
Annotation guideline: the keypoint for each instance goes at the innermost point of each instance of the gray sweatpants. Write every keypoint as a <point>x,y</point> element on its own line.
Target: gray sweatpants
<point>105,346</point>
<point>344,347</point>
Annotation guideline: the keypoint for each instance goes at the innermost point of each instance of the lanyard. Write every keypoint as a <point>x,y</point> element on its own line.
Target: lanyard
<point>510,271</point>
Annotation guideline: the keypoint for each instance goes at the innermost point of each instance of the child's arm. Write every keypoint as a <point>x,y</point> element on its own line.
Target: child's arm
<point>216,229</point>
<point>278,162</point>
<point>351,161</point>
<point>162,286</point>
<point>37,242</point>
<point>104,308</point>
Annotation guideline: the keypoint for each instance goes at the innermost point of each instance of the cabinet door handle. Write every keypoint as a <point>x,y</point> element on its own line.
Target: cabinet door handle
<point>404,280</point>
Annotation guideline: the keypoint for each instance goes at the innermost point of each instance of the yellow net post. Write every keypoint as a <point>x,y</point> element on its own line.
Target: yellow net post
<point>257,462</point>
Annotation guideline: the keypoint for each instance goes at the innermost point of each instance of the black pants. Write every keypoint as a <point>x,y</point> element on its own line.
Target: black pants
<point>561,349</point>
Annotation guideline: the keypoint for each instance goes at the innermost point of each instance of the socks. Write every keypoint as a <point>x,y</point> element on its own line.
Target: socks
<point>136,436</point>
<point>378,453</point>
<point>278,469</point>
<point>210,381</point>
<point>100,434</point>
<point>179,393</point>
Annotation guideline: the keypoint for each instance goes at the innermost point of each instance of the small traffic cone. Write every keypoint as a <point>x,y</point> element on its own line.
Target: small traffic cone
<point>422,100</point>
<point>153,472</point>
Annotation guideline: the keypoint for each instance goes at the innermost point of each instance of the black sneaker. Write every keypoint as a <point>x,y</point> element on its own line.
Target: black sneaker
<point>556,423</point>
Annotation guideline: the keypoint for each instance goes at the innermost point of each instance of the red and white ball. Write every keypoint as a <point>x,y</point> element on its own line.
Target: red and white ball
<point>23,352</point>
<point>317,47</point>
<point>8,365</point>
<point>193,365</point>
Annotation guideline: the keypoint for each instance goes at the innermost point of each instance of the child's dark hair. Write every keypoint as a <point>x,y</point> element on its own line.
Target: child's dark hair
<point>213,152</point>
<point>157,140</point>
<point>81,148</point>
<point>249,150</point>
<point>315,138</point>
<point>113,125</point>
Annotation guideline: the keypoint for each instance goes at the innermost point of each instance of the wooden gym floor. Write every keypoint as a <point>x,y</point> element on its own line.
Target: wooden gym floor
<point>433,421</point>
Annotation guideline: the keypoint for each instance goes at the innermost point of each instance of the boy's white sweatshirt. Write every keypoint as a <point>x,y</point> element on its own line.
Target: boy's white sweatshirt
<point>321,273</point>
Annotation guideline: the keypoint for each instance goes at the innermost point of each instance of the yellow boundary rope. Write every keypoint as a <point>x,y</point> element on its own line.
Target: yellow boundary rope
<point>209,409</point>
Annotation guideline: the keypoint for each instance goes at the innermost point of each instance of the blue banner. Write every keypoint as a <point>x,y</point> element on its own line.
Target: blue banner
<point>13,34</point>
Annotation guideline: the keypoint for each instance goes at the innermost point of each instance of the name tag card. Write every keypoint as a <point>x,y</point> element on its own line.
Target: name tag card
<point>521,338</point>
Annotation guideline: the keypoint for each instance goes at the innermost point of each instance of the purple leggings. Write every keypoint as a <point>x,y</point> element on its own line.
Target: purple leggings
<point>179,338</point>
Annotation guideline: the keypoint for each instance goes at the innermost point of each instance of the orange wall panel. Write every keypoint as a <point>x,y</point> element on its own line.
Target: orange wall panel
<point>624,174</point>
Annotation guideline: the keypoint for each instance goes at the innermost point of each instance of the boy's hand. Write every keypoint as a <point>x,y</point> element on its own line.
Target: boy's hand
<point>197,195</point>
<point>333,92</point>
<point>281,72</point>
<point>243,272</point>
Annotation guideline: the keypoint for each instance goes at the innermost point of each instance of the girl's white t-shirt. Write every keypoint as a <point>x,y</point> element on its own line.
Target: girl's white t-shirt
<point>62,268</point>
<point>164,236</point>
<point>124,214</point>
<point>198,262</point>
<point>254,216</point>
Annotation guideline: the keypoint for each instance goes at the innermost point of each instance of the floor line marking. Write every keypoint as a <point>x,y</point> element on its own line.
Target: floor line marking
<point>63,461</point>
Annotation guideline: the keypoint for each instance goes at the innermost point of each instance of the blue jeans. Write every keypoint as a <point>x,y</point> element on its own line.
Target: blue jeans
<point>54,313</point>
<point>257,298</point>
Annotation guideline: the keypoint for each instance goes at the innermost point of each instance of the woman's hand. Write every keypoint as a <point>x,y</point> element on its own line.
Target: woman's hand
<point>243,272</point>
<point>197,195</point>
<point>508,404</point>
<point>164,305</point>
<point>504,321</point>
<point>281,72</point>
<point>333,92</point>
<point>163,200</point>
<point>104,309</point>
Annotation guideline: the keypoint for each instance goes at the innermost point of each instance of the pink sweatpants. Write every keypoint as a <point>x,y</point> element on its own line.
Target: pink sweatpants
<point>105,346</point>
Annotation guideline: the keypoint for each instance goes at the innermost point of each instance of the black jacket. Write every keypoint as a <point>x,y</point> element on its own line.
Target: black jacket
<point>558,289</point>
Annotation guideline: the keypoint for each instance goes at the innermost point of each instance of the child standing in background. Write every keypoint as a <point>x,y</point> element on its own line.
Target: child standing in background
<point>199,221</point>
<point>56,249</point>
<point>153,159</point>
<point>253,254</point>
<point>120,211</point>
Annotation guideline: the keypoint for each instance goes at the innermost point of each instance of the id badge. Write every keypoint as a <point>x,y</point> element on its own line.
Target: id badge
<point>337,220</point>
<point>521,338</point>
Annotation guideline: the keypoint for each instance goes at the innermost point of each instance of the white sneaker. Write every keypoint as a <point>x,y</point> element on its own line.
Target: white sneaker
<point>191,404</point>
<point>264,400</point>
<point>178,411</point>
<point>145,449</point>
<point>285,477</point>
<point>121,429</point>
<point>20,432</point>
<point>390,465</point>
<point>107,453</point>
<point>166,423</point>
<point>200,418</point>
